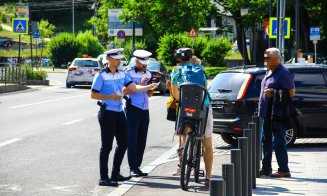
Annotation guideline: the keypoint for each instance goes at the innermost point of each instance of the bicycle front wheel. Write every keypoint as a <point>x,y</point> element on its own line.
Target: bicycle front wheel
<point>187,159</point>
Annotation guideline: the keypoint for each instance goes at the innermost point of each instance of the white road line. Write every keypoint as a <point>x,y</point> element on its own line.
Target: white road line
<point>73,121</point>
<point>48,101</point>
<point>9,142</point>
<point>123,188</point>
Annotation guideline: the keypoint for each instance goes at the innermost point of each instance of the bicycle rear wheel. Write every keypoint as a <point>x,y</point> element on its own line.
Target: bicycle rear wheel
<point>197,157</point>
<point>187,162</point>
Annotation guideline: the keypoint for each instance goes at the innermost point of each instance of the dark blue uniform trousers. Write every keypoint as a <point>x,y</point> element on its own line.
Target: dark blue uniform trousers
<point>138,123</point>
<point>112,125</point>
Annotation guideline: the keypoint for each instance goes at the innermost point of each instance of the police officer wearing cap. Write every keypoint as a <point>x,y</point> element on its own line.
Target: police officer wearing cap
<point>107,87</point>
<point>138,112</point>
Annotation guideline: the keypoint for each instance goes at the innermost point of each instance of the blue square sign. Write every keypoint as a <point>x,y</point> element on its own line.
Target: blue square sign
<point>314,33</point>
<point>20,25</point>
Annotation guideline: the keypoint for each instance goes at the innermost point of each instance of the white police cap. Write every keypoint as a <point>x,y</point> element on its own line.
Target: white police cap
<point>142,56</point>
<point>116,53</point>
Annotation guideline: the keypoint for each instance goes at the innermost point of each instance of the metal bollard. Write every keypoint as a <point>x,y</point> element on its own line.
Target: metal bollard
<point>247,133</point>
<point>257,144</point>
<point>217,187</point>
<point>252,126</point>
<point>228,176</point>
<point>243,146</point>
<point>236,160</point>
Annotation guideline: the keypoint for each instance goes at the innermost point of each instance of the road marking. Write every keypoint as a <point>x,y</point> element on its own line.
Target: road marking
<point>9,142</point>
<point>48,101</point>
<point>73,121</point>
<point>123,188</point>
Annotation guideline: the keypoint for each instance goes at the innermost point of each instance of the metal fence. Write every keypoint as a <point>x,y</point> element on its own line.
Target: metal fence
<point>12,74</point>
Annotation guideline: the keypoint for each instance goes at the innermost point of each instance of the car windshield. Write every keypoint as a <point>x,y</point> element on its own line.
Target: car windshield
<point>227,83</point>
<point>86,63</point>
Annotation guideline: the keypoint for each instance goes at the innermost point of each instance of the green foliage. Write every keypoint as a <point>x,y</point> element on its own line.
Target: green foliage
<point>215,51</point>
<point>46,29</point>
<point>212,52</point>
<point>88,44</point>
<point>62,49</point>
<point>35,74</point>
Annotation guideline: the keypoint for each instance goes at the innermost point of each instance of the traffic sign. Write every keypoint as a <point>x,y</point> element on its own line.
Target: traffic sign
<point>193,33</point>
<point>314,33</point>
<point>37,34</point>
<point>20,25</point>
<point>273,27</point>
<point>121,34</point>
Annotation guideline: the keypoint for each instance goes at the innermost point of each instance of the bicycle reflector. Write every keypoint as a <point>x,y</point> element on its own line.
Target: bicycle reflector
<point>190,110</point>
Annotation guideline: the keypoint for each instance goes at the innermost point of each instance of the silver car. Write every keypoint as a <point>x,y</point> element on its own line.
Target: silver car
<point>82,71</point>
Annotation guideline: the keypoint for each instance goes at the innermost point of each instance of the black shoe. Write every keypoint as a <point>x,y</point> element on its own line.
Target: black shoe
<point>264,173</point>
<point>107,182</point>
<point>138,173</point>
<point>120,178</point>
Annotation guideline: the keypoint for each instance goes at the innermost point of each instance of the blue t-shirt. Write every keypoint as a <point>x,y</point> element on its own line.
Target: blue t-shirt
<point>108,83</point>
<point>189,73</point>
<point>279,79</point>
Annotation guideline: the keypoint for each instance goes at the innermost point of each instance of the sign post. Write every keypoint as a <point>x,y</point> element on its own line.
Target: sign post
<point>193,34</point>
<point>315,36</point>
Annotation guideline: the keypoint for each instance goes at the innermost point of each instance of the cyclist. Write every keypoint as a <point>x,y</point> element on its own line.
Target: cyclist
<point>181,74</point>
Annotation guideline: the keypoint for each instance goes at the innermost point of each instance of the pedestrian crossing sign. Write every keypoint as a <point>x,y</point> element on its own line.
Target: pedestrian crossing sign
<point>20,25</point>
<point>193,33</point>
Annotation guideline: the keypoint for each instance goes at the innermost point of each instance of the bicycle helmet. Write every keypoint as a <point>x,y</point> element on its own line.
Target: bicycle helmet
<point>184,53</point>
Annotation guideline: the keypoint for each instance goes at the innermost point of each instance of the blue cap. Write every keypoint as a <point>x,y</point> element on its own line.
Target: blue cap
<point>142,56</point>
<point>115,53</point>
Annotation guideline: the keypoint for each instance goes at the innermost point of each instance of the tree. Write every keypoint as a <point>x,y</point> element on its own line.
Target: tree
<point>46,29</point>
<point>257,9</point>
<point>62,49</point>
<point>88,44</point>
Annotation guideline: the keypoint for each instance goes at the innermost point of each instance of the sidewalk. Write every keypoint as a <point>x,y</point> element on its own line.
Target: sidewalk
<point>308,167</point>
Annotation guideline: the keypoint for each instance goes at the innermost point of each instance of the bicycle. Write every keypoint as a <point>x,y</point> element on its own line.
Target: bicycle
<point>193,114</point>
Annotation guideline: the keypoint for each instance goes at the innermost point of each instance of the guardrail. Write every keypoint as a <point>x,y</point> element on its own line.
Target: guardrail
<point>10,74</point>
<point>239,177</point>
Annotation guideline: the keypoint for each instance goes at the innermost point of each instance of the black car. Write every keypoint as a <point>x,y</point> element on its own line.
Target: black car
<point>235,94</point>
<point>159,73</point>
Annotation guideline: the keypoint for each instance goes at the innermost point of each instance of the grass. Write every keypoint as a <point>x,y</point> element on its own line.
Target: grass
<point>234,56</point>
<point>24,53</point>
<point>4,34</point>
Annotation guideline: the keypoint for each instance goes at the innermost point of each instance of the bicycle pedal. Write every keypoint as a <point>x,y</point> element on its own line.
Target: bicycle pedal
<point>201,173</point>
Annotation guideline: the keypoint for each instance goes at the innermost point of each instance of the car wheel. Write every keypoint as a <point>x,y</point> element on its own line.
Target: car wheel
<point>291,134</point>
<point>68,85</point>
<point>229,138</point>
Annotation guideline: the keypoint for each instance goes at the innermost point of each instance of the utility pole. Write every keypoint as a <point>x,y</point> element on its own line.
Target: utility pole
<point>73,15</point>
<point>270,15</point>
<point>297,16</point>
<point>280,27</point>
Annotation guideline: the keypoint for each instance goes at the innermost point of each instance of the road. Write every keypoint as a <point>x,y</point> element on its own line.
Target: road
<point>50,140</point>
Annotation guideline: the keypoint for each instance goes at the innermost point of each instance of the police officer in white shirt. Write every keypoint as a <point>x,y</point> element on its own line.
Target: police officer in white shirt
<point>107,87</point>
<point>138,112</point>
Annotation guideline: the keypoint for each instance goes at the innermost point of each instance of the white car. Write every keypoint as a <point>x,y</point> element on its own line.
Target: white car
<point>123,62</point>
<point>82,71</point>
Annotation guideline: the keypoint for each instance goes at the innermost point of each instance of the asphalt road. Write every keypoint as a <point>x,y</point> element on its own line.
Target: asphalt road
<point>50,140</point>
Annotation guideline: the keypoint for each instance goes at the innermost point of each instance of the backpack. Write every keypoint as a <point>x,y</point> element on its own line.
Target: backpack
<point>192,73</point>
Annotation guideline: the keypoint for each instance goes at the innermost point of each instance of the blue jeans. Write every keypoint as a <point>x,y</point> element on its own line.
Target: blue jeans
<point>274,139</point>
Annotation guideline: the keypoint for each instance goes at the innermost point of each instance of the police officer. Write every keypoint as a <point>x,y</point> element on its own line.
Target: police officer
<point>107,87</point>
<point>138,112</point>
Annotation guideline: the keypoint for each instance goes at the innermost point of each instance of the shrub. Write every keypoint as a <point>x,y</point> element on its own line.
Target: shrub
<point>127,45</point>
<point>62,49</point>
<point>88,44</point>
<point>215,51</point>
<point>35,74</point>
<point>169,43</point>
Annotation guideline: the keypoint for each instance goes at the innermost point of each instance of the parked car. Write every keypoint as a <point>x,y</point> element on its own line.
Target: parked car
<point>158,71</point>
<point>82,71</point>
<point>123,62</point>
<point>235,94</point>
<point>4,44</point>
